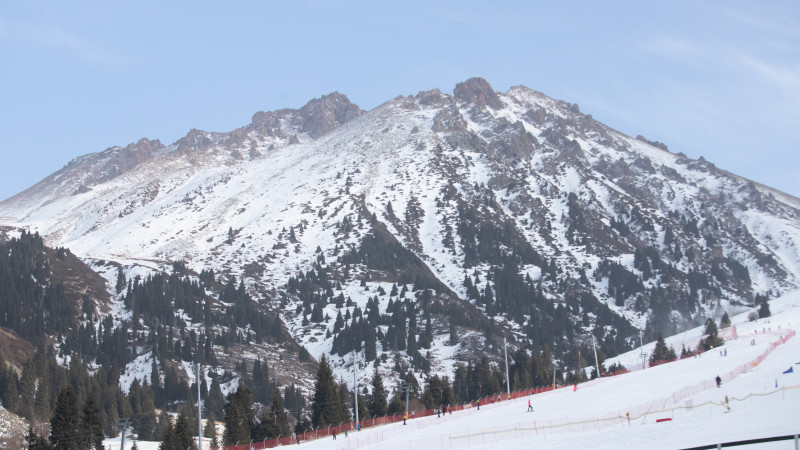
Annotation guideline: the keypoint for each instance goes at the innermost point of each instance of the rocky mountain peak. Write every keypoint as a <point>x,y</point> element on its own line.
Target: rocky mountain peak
<point>479,92</point>
<point>315,118</point>
<point>321,115</point>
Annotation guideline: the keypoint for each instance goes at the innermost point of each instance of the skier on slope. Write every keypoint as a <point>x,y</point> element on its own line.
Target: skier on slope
<point>530,407</point>
<point>719,381</point>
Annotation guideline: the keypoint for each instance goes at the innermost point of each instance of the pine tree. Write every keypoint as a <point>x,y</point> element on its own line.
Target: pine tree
<point>438,392</point>
<point>215,402</point>
<point>169,440</point>
<point>42,403</point>
<point>238,416</point>
<point>121,283</point>
<point>273,423</point>
<point>183,432</point>
<point>661,352</point>
<point>143,413</point>
<point>9,395</point>
<point>65,424</point>
<point>764,311</point>
<point>453,332</point>
<point>27,390</point>
<point>327,408</point>
<point>377,401</point>
<point>711,338</point>
<point>164,425</point>
<point>725,321</point>
<point>262,387</point>
<point>210,430</point>
<point>35,442</point>
<point>91,424</point>
<point>370,344</point>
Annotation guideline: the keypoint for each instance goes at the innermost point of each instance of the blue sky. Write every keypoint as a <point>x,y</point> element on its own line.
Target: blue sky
<point>718,79</point>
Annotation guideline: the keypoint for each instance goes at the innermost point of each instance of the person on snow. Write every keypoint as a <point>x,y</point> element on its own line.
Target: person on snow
<point>334,435</point>
<point>479,404</point>
<point>719,381</point>
<point>530,407</point>
<point>405,417</point>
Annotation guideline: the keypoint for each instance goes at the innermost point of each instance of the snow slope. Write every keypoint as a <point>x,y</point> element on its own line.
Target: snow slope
<point>763,403</point>
<point>434,158</point>
<point>760,415</point>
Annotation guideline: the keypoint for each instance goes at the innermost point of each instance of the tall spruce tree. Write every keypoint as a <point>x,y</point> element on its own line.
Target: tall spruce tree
<point>327,408</point>
<point>216,402</point>
<point>378,399</point>
<point>91,426</point>
<point>764,311</point>
<point>273,423</point>
<point>238,416</point>
<point>169,440</point>
<point>183,433</point>
<point>65,424</point>
<point>661,352</point>
<point>210,430</point>
<point>35,442</point>
<point>711,338</point>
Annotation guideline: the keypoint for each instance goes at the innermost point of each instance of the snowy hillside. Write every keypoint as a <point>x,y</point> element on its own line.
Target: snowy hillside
<point>515,212</point>
<point>565,418</point>
<point>762,400</point>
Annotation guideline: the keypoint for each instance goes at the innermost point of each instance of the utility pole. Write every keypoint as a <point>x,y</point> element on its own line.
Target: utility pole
<point>123,425</point>
<point>641,347</point>
<point>355,384</point>
<point>508,385</point>
<point>199,410</point>
<point>406,388</point>
<point>596,362</point>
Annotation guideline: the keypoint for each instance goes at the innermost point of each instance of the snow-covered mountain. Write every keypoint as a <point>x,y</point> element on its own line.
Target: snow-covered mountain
<point>508,206</point>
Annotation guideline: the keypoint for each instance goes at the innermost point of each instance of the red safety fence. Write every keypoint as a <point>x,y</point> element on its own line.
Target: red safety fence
<point>690,391</point>
<point>674,399</point>
<point>374,422</point>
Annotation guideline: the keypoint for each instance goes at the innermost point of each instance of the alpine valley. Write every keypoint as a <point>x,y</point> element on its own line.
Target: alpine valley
<point>414,237</point>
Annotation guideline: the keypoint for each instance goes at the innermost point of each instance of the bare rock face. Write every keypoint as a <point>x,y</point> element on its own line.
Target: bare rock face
<point>115,161</point>
<point>479,92</point>
<point>316,118</point>
<point>321,115</point>
<point>268,123</point>
<point>193,141</point>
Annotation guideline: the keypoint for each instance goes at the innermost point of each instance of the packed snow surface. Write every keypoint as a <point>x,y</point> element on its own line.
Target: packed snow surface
<point>763,402</point>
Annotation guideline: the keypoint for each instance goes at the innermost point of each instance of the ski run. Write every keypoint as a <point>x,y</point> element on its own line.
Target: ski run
<point>763,401</point>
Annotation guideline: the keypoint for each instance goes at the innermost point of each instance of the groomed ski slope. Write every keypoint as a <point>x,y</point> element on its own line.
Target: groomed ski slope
<point>590,417</point>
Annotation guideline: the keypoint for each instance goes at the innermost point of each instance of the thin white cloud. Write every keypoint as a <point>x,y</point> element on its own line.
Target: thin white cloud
<point>54,38</point>
<point>782,76</point>
<point>673,46</point>
<point>785,27</point>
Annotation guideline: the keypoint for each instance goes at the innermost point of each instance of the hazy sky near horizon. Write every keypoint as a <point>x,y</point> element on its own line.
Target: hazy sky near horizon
<point>718,79</point>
